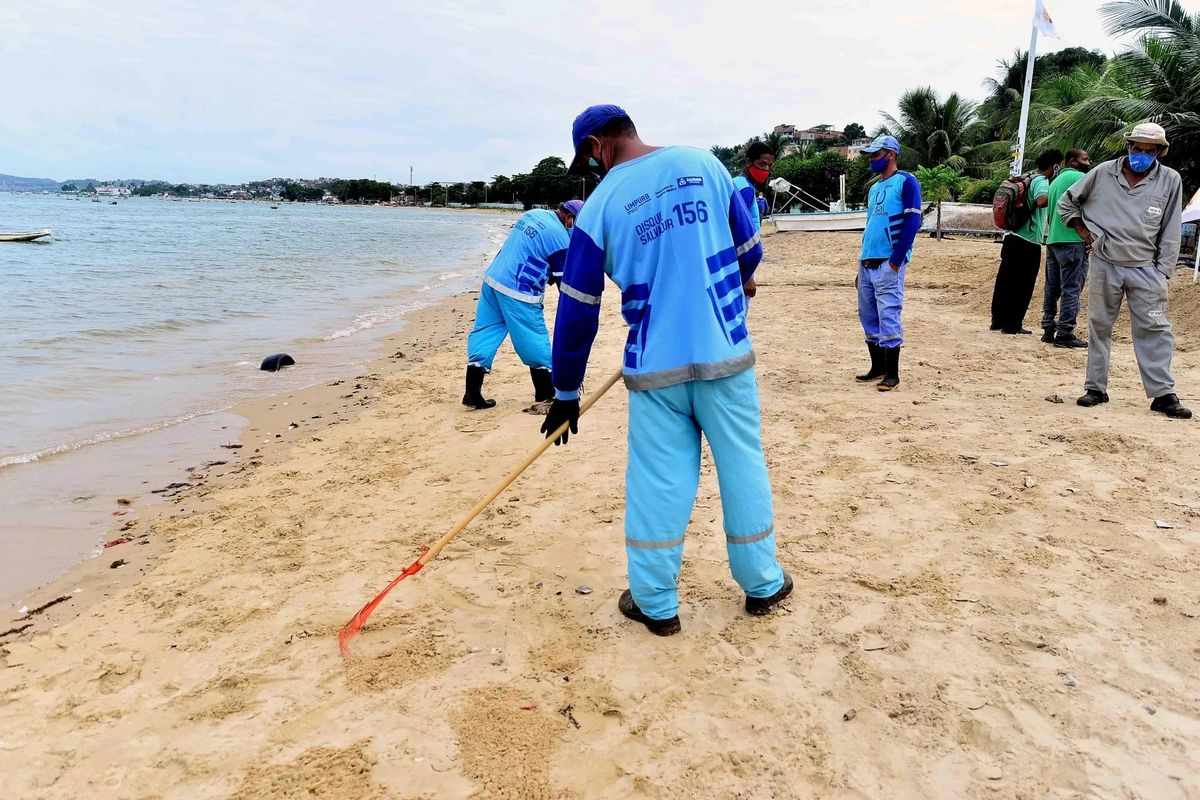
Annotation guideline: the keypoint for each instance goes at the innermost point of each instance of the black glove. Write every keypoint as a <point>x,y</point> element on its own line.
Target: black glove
<point>561,411</point>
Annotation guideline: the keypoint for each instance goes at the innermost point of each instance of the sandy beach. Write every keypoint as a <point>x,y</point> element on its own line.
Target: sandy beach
<point>985,605</point>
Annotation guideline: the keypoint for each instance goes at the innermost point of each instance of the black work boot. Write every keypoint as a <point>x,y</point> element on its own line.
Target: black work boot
<point>659,627</point>
<point>759,606</point>
<point>877,370</point>
<point>891,362</point>
<point>1094,397</point>
<point>543,387</point>
<point>1169,404</point>
<point>1070,340</point>
<point>1047,335</point>
<point>474,396</point>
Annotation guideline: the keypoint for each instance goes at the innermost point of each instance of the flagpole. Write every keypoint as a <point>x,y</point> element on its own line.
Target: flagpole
<point>1018,161</point>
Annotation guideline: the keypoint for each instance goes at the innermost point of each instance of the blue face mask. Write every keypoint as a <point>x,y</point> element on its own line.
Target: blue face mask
<point>597,167</point>
<point>1140,162</point>
<point>879,164</point>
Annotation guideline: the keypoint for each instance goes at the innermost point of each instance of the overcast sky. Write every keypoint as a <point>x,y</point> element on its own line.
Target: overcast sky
<point>217,90</point>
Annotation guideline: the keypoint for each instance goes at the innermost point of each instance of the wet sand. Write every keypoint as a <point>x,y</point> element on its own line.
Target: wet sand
<point>984,605</point>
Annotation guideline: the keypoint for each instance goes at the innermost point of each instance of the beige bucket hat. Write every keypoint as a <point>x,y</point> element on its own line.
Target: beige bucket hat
<point>1149,133</point>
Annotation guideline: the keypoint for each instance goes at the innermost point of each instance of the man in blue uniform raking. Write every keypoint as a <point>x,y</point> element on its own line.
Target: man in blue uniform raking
<point>668,227</point>
<point>893,219</point>
<point>510,302</point>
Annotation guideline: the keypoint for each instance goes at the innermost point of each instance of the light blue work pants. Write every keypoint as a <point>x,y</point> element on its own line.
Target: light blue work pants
<point>880,302</point>
<point>663,476</point>
<point>497,316</point>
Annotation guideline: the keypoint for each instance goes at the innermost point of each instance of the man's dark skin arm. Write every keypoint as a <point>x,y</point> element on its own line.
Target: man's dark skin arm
<point>1083,232</point>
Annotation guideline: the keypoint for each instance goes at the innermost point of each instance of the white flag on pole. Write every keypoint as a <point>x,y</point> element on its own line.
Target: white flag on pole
<point>1042,20</point>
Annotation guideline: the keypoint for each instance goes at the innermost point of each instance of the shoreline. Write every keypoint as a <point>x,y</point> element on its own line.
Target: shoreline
<point>88,582</point>
<point>160,452</point>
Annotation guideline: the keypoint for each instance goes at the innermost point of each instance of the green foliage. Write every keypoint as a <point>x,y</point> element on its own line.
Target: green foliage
<point>362,190</point>
<point>853,131</point>
<point>931,130</point>
<point>297,192</point>
<point>980,191</point>
<point>938,184</point>
<point>817,175</point>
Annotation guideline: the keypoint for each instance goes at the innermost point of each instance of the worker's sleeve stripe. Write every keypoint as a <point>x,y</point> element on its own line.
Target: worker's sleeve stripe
<point>752,538</point>
<point>912,211</point>
<point>745,248</point>
<point>575,294</point>
<point>649,544</point>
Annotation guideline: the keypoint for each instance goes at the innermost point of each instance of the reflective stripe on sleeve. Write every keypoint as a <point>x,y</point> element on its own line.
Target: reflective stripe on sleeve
<point>575,294</point>
<point>749,245</point>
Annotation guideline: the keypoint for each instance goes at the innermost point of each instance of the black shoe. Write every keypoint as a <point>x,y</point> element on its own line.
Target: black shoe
<point>1070,340</point>
<point>543,387</point>
<point>474,396</point>
<point>659,627</point>
<point>878,370</point>
<point>1047,335</point>
<point>891,362</point>
<point>1169,404</point>
<point>1093,398</point>
<point>1014,331</point>
<point>995,326</point>
<point>760,606</point>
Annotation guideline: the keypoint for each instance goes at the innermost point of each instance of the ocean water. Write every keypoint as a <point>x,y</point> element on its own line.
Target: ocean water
<point>125,337</point>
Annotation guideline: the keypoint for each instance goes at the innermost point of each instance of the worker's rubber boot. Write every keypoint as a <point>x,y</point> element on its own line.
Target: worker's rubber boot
<point>877,370</point>
<point>543,387</point>
<point>474,396</point>
<point>659,627</point>
<point>891,362</point>
<point>760,606</point>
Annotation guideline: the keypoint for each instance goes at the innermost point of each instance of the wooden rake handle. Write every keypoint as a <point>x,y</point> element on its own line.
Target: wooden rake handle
<point>358,620</point>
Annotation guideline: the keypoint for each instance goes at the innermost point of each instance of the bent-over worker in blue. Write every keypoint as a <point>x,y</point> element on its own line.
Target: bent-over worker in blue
<point>893,219</point>
<point>510,302</point>
<point>667,226</point>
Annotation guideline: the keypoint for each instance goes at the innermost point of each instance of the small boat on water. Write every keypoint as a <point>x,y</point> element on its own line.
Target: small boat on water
<point>95,199</point>
<point>24,237</point>
<point>274,207</point>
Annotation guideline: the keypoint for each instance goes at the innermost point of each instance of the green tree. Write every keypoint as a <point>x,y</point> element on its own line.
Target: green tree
<point>817,175</point>
<point>853,131</point>
<point>937,184</point>
<point>931,130</point>
<point>69,187</point>
<point>1153,79</point>
<point>297,192</point>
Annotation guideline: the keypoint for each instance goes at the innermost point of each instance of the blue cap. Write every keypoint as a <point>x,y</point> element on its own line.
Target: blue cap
<point>573,207</point>
<point>587,123</point>
<point>883,143</point>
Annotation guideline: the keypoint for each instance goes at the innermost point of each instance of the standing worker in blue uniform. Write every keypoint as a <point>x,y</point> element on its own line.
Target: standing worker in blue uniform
<point>893,219</point>
<point>510,302</point>
<point>753,177</point>
<point>668,227</point>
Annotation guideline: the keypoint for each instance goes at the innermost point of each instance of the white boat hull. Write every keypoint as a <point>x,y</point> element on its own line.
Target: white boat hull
<point>821,221</point>
<point>24,237</point>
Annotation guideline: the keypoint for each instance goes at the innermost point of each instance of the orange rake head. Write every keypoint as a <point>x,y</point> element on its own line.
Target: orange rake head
<point>351,628</point>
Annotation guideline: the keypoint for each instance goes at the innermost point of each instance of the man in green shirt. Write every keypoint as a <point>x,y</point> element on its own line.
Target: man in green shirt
<point>1021,254</point>
<point>1066,261</point>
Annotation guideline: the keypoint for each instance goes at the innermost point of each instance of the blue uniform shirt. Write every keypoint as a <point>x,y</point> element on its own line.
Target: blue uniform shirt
<point>535,249</point>
<point>893,219</point>
<point>676,238</point>
<point>747,193</point>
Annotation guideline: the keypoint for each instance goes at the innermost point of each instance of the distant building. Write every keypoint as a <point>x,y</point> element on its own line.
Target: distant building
<point>112,190</point>
<point>787,131</point>
<point>855,148</point>
<point>823,132</point>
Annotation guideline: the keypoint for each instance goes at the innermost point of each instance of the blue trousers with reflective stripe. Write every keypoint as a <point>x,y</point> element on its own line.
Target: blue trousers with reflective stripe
<point>880,302</point>
<point>664,474</point>
<point>498,316</point>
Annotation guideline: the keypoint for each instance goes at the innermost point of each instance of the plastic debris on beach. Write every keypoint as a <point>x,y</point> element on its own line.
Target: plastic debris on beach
<point>583,590</point>
<point>1162,523</point>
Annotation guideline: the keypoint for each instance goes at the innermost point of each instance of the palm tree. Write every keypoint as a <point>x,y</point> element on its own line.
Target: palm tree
<point>1155,80</point>
<point>932,131</point>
